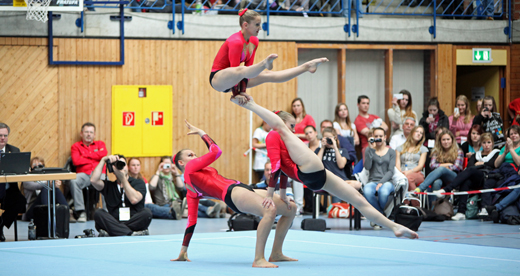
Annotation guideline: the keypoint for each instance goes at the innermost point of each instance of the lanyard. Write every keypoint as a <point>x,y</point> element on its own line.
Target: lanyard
<point>122,195</point>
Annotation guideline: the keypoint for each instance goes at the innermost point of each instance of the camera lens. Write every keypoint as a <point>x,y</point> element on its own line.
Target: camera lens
<point>329,141</point>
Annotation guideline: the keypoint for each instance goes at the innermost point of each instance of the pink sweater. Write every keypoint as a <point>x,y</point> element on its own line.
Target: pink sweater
<point>460,126</point>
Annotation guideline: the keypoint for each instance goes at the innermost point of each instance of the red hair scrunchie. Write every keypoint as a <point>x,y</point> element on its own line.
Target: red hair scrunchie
<point>242,12</point>
<point>277,111</point>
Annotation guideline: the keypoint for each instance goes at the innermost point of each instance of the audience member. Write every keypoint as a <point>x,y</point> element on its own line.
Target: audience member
<point>302,118</point>
<point>400,138</point>
<point>512,198</point>
<point>12,201</point>
<point>265,183</point>
<point>166,185</point>
<point>514,111</point>
<point>134,171</point>
<point>334,158</point>
<point>344,127</point>
<point>33,194</point>
<point>491,121</point>
<point>86,154</point>
<point>124,199</point>
<point>472,178</point>
<point>433,118</point>
<point>473,145</point>
<point>259,144</point>
<point>364,121</point>
<point>410,157</point>
<point>380,162</point>
<point>446,161</point>
<point>401,109</point>
<point>461,120</point>
<point>344,142</point>
<point>509,155</point>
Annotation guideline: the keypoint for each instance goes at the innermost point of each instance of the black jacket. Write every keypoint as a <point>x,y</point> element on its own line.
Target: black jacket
<point>11,149</point>
<point>493,125</point>
<point>13,201</point>
<point>443,122</point>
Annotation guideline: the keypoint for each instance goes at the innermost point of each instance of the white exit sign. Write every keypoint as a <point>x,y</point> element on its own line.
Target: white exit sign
<point>482,55</point>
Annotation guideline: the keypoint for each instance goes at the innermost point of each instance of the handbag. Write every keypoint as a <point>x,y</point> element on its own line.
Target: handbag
<point>408,215</point>
<point>339,210</point>
<point>443,207</point>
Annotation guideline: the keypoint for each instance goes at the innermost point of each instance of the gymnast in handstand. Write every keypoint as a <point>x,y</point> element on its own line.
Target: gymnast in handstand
<point>226,72</point>
<point>204,181</point>
<point>298,162</point>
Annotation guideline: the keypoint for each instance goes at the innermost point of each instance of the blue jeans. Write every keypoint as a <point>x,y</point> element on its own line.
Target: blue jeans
<point>159,211</point>
<point>378,200</point>
<point>437,177</point>
<point>488,7</point>
<point>508,200</point>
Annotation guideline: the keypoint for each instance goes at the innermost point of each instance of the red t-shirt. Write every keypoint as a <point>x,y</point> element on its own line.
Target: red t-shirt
<point>87,158</point>
<point>280,160</point>
<point>205,181</point>
<point>300,127</point>
<point>231,53</point>
<point>515,107</point>
<point>361,123</point>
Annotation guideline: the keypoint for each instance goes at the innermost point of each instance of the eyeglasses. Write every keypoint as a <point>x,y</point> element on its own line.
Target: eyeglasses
<point>4,135</point>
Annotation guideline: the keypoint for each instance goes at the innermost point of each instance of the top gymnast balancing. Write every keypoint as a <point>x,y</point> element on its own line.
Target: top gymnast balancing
<point>226,72</point>
<point>291,156</point>
<point>204,181</point>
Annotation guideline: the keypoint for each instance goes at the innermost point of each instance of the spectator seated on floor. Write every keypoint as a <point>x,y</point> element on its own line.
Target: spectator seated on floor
<point>124,201</point>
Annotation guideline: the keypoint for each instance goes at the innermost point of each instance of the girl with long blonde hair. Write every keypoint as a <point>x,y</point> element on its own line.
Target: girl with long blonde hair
<point>411,157</point>
<point>461,120</point>
<point>343,125</point>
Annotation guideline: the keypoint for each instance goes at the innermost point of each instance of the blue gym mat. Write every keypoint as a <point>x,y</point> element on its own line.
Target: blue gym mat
<point>231,253</point>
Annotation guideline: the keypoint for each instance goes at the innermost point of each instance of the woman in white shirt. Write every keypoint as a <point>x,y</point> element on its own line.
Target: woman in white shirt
<point>401,108</point>
<point>343,125</point>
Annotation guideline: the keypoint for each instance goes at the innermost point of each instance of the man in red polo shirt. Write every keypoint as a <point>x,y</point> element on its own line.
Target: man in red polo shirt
<point>86,155</point>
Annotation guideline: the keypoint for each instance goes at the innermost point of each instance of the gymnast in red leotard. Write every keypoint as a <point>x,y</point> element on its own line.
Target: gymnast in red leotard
<point>288,154</point>
<point>226,72</point>
<point>204,181</point>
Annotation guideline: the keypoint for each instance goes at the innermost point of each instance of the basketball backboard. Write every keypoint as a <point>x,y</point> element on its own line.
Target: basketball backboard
<point>54,6</point>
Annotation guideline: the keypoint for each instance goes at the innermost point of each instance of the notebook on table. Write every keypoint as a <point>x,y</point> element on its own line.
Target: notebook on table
<point>15,163</point>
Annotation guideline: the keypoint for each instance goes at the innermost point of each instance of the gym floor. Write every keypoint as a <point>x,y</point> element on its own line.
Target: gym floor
<point>450,247</point>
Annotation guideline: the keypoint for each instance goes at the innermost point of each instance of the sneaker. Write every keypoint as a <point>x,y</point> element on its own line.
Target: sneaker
<point>103,233</point>
<point>375,226</point>
<point>213,211</point>
<point>82,217</point>
<point>459,216</point>
<point>483,213</point>
<point>176,211</point>
<point>72,219</point>
<point>439,192</point>
<point>141,233</point>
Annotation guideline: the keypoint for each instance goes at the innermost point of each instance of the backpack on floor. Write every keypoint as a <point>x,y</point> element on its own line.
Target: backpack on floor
<point>510,215</point>
<point>472,207</point>
<point>62,221</point>
<point>408,215</point>
<point>243,222</point>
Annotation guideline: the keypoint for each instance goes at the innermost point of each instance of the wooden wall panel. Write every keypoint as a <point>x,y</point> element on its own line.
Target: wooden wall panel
<point>46,105</point>
<point>445,82</point>
<point>515,71</point>
<point>29,93</point>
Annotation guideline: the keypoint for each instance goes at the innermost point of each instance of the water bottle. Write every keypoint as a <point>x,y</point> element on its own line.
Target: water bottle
<point>198,6</point>
<point>32,231</point>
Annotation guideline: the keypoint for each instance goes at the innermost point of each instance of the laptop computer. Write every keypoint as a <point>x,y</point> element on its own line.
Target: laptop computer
<point>15,163</point>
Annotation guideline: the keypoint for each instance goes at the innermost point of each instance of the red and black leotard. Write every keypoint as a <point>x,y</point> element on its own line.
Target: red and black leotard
<point>283,166</point>
<point>204,181</point>
<point>231,53</point>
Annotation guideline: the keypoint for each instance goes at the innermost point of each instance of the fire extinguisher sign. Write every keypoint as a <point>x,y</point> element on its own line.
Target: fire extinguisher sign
<point>157,118</point>
<point>129,118</point>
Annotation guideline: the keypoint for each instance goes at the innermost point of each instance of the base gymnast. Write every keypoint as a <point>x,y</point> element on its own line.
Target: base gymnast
<point>226,72</point>
<point>204,181</point>
<point>298,162</point>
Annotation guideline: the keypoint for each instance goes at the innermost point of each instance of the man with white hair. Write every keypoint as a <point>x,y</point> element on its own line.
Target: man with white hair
<point>399,139</point>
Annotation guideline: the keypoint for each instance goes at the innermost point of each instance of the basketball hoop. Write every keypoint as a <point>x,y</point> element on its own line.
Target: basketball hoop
<point>37,10</point>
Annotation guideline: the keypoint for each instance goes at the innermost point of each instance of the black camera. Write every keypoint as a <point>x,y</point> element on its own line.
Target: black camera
<point>89,233</point>
<point>372,140</point>
<point>329,141</point>
<point>118,163</point>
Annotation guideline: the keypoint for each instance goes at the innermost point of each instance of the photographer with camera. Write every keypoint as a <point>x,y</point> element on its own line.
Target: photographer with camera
<point>334,158</point>
<point>124,200</point>
<point>490,121</point>
<point>380,162</point>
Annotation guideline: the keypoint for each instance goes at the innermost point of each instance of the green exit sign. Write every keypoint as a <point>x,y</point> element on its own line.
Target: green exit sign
<point>481,55</point>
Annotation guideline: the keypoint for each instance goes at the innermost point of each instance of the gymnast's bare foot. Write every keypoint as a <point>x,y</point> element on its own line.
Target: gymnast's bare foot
<point>242,99</point>
<point>269,61</point>
<point>313,64</point>
<point>402,231</point>
<point>263,263</point>
<point>281,258</point>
